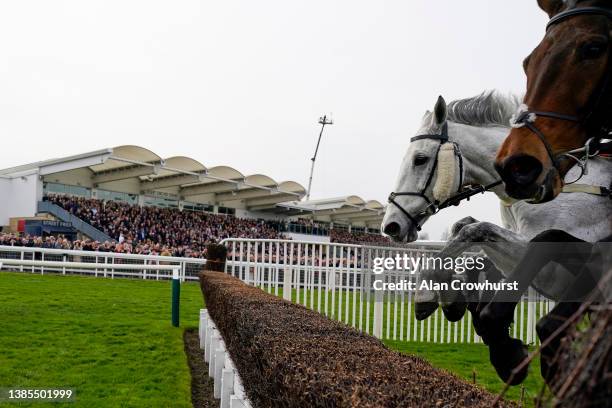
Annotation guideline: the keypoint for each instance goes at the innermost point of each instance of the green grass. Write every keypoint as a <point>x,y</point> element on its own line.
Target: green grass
<point>110,340</point>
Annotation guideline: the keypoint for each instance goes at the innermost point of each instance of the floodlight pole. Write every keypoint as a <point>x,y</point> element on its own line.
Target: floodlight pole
<point>323,120</point>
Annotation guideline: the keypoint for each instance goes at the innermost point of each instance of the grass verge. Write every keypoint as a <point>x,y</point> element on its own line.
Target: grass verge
<point>110,340</point>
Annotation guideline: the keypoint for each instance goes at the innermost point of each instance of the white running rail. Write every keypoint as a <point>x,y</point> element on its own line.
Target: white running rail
<point>336,280</point>
<point>99,264</point>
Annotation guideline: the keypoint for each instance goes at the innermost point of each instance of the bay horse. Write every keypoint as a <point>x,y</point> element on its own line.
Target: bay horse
<point>567,112</point>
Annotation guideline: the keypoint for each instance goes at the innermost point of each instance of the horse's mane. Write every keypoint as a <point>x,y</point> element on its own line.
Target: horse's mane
<point>490,108</point>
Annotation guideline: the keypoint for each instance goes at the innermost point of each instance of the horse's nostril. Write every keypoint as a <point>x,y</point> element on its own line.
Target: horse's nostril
<point>392,229</point>
<point>522,170</point>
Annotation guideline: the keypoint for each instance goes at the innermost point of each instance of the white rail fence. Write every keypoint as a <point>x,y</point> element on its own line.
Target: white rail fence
<point>336,280</point>
<point>99,264</point>
<point>333,279</point>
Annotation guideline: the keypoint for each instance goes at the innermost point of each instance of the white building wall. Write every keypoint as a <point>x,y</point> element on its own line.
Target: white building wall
<point>19,197</point>
<point>241,213</point>
<point>308,238</point>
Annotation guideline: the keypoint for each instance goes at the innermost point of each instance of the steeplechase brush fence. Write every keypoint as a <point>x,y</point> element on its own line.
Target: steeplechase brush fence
<point>336,280</point>
<point>290,356</point>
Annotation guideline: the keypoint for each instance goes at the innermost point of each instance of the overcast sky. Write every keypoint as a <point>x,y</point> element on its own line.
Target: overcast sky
<point>243,83</point>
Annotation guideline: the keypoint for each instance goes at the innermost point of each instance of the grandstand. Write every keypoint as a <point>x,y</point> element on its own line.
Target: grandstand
<point>130,199</point>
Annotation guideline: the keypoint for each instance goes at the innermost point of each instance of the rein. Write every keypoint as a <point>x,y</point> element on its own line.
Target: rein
<point>528,117</point>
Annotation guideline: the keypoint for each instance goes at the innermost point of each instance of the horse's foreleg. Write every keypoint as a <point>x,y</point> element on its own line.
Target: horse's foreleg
<point>563,249</point>
<point>496,317</point>
<point>426,301</point>
<point>472,237</point>
<point>477,300</point>
<point>505,352</point>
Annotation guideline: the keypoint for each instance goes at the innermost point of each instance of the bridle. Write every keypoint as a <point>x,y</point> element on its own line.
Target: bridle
<point>433,207</point>
<point>467,192</point>
<point>593,146</point>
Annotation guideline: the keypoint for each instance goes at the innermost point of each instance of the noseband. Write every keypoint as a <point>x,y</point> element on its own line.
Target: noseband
<point>443,138</point>
<point>434,207</point>
<point>594,146</point>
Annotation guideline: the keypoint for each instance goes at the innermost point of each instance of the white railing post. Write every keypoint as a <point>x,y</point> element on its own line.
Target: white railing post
<point>530,316</point>
<point>287,279</point>
<point>202,326</point>
<point>378,314</point>
<point>227,386</point>
<point>210,329</point>
<point>218,368</point>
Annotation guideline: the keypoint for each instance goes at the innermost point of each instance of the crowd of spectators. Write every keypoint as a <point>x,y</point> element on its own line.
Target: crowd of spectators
<point>358,238</point>
<point>168,231</point>
<point>146,228</point>
<point>126,247</point>
<point>312,255</point>
<point>305,226</point>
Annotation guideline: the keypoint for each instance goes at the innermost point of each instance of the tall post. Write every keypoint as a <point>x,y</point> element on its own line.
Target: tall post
<point>323,120</point>
<point>176,297</point>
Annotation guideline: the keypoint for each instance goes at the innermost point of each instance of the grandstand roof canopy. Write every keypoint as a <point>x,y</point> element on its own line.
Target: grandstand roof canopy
<point>121,168</point>
<point>137,170</point>
<point>348,209</point>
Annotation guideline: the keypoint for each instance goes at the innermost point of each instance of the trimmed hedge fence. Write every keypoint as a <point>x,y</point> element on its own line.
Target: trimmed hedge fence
<point>289,356</point>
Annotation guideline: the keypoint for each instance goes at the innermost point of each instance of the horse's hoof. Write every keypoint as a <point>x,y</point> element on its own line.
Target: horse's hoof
<point>454,311</point>
<point>505,357</point>
<point>422,310</point>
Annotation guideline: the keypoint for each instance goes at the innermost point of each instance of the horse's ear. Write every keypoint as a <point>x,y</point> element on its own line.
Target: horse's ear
<point>552,7</point>
<point>440,111</point>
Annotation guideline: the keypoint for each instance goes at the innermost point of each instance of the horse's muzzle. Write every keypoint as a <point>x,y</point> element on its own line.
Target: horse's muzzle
<point>522,176</point>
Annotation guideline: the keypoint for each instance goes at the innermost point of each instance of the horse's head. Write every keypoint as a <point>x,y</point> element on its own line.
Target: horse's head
<point>429,174</point>
<point>567,100</point>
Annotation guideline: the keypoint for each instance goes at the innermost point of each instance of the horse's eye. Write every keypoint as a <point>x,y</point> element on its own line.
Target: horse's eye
<point>420,159</point>
<point>593,50</point>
